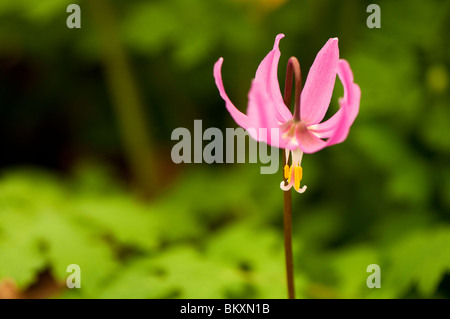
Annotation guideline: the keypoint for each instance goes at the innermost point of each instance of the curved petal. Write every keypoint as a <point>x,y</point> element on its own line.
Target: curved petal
<point>308,142</point>
<point>267,75</point>
<point>336,128</point>
<point>316,95</point>
<point>285,187</point>
<point>240,118</point>
<point>260,108</point>
<point>263,115</point>
<point>290,185</point>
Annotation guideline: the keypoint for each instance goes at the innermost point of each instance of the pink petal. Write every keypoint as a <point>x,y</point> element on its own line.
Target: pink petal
<point>319,85</point>
<point>262,113</point>
<point>240,118</point>
<point>308,142</point>
<point>337,127</point>
<point>260,107</point>
<point>268,77</point>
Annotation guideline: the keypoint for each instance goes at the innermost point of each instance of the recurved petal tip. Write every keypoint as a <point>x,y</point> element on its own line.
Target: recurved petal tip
<point>301,190</point>
<point>218,65</point>
<point>240,118</point>
<point>279,37</point>
<point>277,41</point>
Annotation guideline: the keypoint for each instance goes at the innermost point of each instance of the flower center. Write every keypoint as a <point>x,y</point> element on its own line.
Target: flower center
<point>290,128</point>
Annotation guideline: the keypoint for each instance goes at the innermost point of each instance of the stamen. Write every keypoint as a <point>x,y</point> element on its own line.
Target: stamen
<point>286,171</point>
<point>297,155</point>
<point>290,174</point>
<point>287,152</point>
<point>293,173</point>
<point>298,174</point>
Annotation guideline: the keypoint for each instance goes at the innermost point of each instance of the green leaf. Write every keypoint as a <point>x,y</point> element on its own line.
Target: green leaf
<point>138,281</point>
<point>194,276</point>
<point>257,252</point>
<point>21,260</point>
<point>419,259</point>
<point>350,267</point>
<point>122,218</point>
<point>65,243</point>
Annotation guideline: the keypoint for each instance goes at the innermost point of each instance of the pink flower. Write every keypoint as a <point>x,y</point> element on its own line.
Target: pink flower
<point>307,134</point>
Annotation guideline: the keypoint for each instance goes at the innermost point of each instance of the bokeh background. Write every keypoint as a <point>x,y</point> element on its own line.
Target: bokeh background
<point>86,176</point>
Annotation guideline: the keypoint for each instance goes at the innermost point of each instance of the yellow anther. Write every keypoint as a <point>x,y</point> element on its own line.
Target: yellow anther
<point>286,171</point>
<point>290,175</point>
<point>298,174</point>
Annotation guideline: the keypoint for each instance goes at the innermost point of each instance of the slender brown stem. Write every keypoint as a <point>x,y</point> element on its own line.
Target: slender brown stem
<point>293,68</point>
<point>288,242</point>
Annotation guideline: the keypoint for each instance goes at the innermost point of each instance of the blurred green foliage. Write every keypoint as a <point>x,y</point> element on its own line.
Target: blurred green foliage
<point>382,197</point>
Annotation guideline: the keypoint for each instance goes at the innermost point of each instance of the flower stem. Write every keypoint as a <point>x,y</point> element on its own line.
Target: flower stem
<point>288,243</point>
<point>293,69</point>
